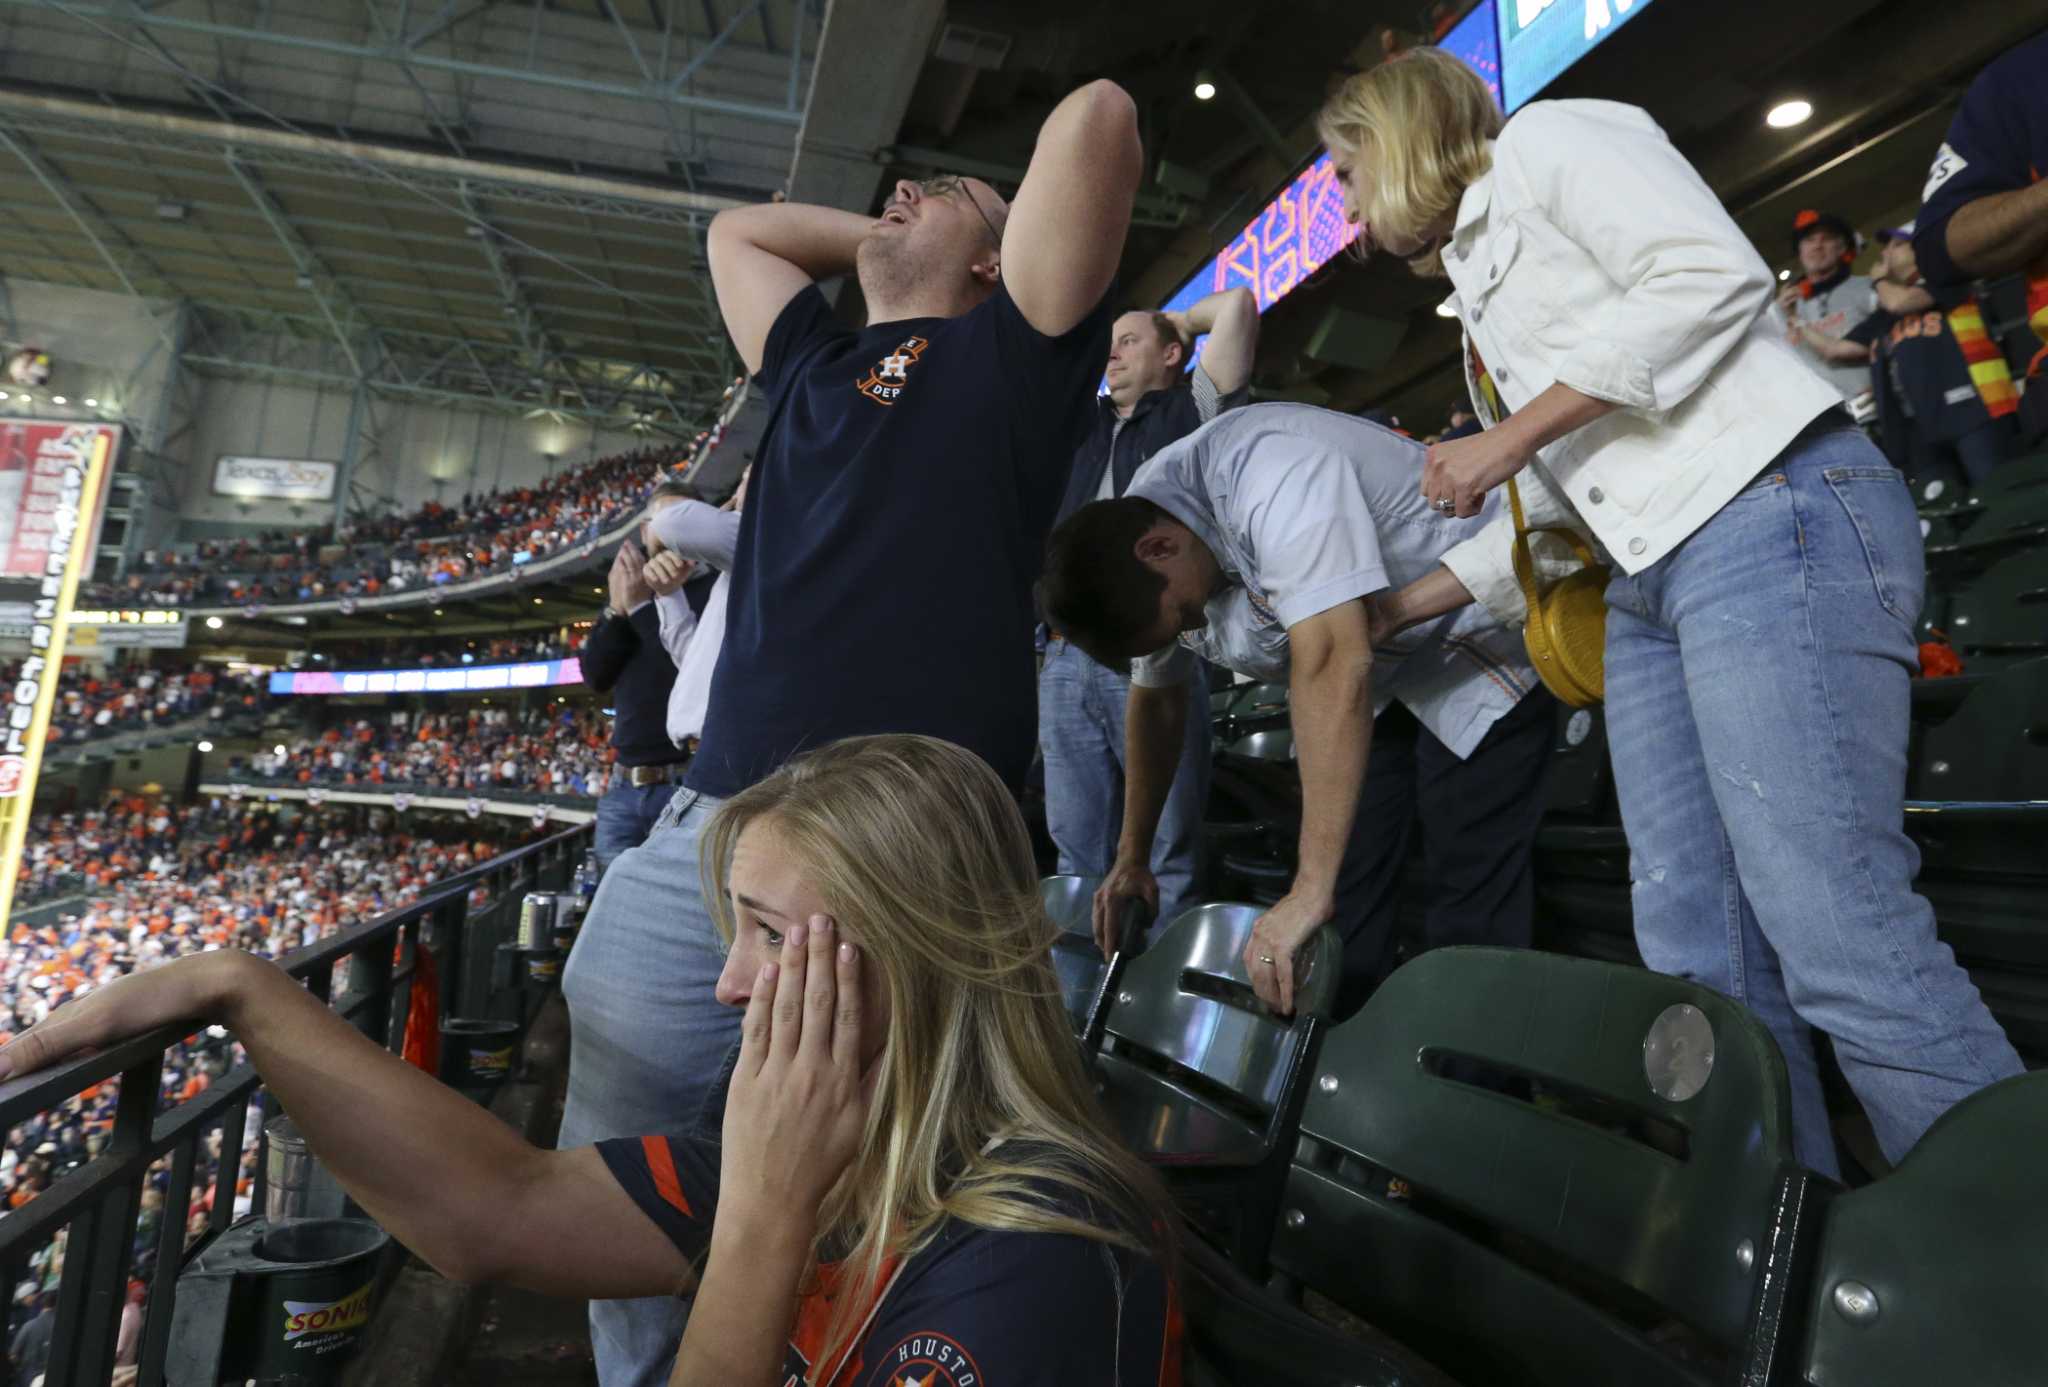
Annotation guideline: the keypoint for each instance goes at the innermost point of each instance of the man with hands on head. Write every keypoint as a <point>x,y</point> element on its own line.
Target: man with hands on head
<point>881,581</point>
<point>624,657</point>
<point>1154,399</point>
<point>1273,542</point>
<point>911,1155</point>
<point>697,542</point>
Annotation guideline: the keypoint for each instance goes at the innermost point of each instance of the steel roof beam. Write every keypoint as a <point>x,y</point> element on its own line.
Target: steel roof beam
<point>103,235</point>
<point>417,170</point>
<point>398,55</point>
<point>336,306</point>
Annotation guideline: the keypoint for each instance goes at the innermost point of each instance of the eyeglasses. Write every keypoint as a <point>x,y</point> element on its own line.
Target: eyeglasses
<point>946,184</point>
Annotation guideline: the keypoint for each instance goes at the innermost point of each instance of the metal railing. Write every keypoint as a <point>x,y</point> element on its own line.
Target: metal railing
<point>96,1206</point>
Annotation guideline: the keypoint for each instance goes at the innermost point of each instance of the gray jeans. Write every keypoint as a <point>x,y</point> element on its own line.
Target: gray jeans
<point>648,1043</point>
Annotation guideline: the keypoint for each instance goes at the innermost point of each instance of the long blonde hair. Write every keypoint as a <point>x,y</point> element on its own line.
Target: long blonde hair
<point>1424,121</point>
<point>920,855</point>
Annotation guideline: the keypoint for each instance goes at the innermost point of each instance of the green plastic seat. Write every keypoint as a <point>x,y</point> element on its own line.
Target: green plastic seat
<point>1070,902</point>
<point>1938,1272</point>
<point>1548,1233</point>
<point>1201,1079</point>
<point>1086,978</point>
<point>1239,1334</point>
<point>1275,744</point>
<point>1994,747</point>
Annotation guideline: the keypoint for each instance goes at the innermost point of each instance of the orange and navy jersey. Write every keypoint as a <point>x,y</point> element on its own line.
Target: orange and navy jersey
<point>977,1307</point>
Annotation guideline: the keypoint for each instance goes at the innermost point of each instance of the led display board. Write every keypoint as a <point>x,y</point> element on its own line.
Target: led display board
<point>532,674</point>
<point>1475,41</point>
<point>1540,39</point>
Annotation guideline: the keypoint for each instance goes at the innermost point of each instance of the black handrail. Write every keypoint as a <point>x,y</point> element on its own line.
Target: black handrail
<point>97,1204</point>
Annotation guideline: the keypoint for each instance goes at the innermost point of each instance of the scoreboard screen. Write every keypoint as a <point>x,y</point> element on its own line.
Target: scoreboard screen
<point>1540,39</point>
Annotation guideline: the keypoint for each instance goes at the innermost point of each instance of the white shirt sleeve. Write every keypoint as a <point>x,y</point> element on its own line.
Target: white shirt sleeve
<point>1164,669</point>
<point>678,623</point>
<point>699,531</point>
<point>1692,284</point>
<point>1485,563</point>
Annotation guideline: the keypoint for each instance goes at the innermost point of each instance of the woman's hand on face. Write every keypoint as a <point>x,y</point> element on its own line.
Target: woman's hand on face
<point>194,988</point>
<point>1462,470</point>
<point>799,1097</point>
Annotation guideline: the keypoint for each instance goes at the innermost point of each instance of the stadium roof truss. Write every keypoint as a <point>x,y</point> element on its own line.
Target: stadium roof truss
<point>488,205</point>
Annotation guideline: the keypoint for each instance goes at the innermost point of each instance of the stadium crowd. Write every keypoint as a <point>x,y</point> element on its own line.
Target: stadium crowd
<point>441,653</point>
<point>551,749</point>
<point>160,882</point>
<point>104,702</point>
<point>429,547</point>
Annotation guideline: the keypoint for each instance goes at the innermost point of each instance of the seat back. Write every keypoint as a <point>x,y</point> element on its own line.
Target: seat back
<point>1576,781</point>
<point>2000,617</point>
<point>1655,1157</point>
<point>1185,1006</point>
<point>1274,745</point>
<point>1070,902</point>
<point>1936,1273</point>
<point>1995,746</point>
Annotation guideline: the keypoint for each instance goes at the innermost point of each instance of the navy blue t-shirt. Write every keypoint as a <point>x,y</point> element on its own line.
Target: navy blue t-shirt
<point>1997,143</point>
<point>894,526</point>
<point>976,1307</point>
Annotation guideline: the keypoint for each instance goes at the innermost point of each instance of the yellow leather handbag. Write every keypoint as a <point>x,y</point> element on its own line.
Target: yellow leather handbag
<point>1567,629</point>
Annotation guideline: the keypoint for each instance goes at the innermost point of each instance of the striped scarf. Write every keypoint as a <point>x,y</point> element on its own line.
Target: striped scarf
<point>1988,371</point>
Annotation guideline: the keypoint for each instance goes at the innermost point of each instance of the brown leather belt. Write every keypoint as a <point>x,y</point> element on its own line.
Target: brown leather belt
<point>662,775</point>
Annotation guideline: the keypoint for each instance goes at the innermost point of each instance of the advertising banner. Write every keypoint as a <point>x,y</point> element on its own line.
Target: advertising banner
<point>62,488</point>
<point>275,479</point>
<point>534,674</point>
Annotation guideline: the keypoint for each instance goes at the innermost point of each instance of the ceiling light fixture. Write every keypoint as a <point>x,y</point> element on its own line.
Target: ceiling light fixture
<point>91,403</point>
<point>1444,310</point>
<point>1784,275</point>
<point>1786,114</point>
<point>213,623</point>
<point>206,746</point>
<point>1205,87</point>
<point>59,400</point>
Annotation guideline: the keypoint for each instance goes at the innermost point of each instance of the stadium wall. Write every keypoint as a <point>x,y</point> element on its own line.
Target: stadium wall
<point>418,453</point>
<point>104,347</point>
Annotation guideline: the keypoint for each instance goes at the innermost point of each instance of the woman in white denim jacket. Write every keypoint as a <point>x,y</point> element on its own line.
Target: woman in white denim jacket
<point>1767,565</point>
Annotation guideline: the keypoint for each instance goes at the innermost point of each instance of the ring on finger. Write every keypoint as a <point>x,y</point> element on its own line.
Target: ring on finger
<point>1446,504</point>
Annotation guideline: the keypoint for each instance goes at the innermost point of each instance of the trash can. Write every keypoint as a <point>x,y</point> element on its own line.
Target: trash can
<point>477,1055</point>
<point>277,1303</point>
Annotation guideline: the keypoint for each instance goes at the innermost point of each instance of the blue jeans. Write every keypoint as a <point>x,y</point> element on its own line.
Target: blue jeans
<point>626,814</point>
<point>1757,705</point>
<point>647,1040</point>
<point>1081,736</point>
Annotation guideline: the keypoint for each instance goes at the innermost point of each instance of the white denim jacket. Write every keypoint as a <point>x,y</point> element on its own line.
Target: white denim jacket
<point>1593,254</point>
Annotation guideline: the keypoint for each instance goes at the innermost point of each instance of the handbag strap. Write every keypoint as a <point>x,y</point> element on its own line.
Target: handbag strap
<point>1525,563</point>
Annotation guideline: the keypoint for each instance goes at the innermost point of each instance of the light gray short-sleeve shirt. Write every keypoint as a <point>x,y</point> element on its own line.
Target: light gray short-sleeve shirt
<point>1306,509</point>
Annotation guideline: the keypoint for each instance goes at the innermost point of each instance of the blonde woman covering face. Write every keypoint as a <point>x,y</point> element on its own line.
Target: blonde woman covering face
<point>915,1183</point>
<point>1767,566</point>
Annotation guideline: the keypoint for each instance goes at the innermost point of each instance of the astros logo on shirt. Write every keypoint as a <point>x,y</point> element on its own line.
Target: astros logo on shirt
<point>886,381</point>
<point>932,1360</point>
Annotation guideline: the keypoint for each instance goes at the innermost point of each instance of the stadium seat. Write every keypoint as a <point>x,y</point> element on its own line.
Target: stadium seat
<point>1276,744</point>
<point>1994,747</point>
<point>1084,974</point>
<point>1936,1272</point>
<point>1202,1079</point>
<point>2000,617</point>
<point>1578,781</point>
<point>1239,1334</point>
<point>1539,1169</point>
